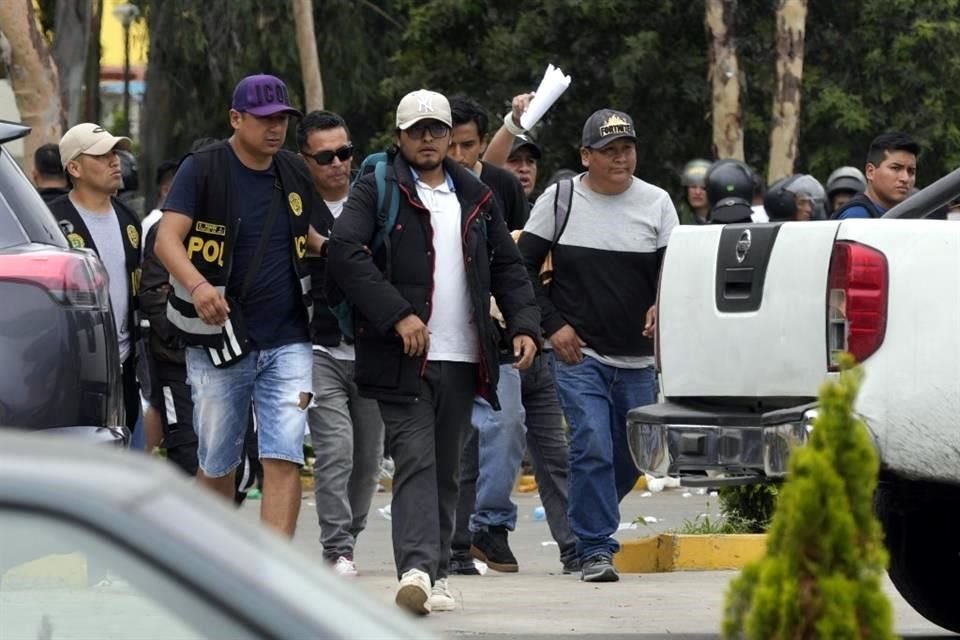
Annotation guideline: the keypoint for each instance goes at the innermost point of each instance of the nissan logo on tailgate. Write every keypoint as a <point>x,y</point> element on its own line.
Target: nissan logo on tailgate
<point>743,246</point>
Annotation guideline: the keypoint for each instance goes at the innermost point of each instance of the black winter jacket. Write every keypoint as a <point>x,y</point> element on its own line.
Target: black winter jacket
<point>493,266</point>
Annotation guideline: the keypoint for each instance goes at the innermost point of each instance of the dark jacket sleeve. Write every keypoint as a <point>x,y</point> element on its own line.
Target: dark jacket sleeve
<point>509,282</point>
<point>519,208</point>
<point>350,264</point>
<point>534,250</point>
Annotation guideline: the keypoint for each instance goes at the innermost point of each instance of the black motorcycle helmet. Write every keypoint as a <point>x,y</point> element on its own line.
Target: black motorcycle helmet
<point>780,201</point>
<point>730,192</point>
<point>128,168</point>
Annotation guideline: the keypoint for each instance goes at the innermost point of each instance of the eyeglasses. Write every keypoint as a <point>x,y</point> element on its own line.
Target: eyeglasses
<point>436,128</point>
<point>324,158</point>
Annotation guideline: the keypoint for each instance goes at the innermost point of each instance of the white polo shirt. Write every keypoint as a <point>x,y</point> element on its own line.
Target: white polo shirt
<point>453,333</point>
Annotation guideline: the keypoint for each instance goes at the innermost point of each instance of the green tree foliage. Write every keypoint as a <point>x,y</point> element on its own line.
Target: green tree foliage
<point>647,57</point>
<point>200,50</point>
<point>879,65</point>
<point>869,66</point>
<point>822,575</point>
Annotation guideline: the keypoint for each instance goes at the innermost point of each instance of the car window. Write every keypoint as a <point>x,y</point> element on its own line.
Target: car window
<point>26,205</point>
<point>62,581</point>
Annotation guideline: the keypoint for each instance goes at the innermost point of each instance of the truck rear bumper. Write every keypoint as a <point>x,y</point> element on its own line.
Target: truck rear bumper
<point>716,448</point>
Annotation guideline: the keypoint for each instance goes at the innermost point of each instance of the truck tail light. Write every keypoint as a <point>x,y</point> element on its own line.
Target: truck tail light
<point>73,279</point>
<point>857,301</point>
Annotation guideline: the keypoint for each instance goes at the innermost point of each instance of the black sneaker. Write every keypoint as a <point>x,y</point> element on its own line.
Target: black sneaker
<point>599,568</point>
<point>571,565</point>
<point>461,563</point>
<point>491,547</point>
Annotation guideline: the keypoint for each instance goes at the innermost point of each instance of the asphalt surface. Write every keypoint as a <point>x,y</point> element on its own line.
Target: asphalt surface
<point>539,602</point>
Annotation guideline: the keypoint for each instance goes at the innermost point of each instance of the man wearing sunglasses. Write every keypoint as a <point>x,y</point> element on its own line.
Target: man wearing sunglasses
<point>346,430</point>
<point>424,343</point>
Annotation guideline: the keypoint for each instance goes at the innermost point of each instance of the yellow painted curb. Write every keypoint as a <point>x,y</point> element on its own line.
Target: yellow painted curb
<point>58,570</point>
<point>681,552</point>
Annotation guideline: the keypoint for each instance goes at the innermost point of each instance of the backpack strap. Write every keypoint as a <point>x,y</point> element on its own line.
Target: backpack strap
<point>388,208</point>
<point>562,202</point>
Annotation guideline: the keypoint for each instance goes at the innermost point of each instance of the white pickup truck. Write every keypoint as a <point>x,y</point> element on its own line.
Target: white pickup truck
<point>751,318</point>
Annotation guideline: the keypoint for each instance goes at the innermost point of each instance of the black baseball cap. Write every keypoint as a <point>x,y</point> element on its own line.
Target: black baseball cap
<point>525,140</point>
<point>605,126</point>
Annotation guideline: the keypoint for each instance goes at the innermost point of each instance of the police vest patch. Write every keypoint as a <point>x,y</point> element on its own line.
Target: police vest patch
<point>296,204</point>
<point>212,229</point>
<point>134,236</point>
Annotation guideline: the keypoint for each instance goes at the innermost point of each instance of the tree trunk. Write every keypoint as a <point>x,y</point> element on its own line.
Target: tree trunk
<point>309,59</point>
<point>725,80</point>
<point>33,76</point>
<point>70,47</point>
<point>91,108</point>
<point>791,21</point>
<point>159,139</point>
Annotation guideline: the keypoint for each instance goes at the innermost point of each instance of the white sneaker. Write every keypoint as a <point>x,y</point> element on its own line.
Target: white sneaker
<point>413,594</point>
<point>345,567</point>
<point>440,598</point>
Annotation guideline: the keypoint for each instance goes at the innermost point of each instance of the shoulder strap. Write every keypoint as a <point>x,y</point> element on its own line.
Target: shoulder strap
<point>275,203</point>
<point>562,202</point>
<point>388,208</point>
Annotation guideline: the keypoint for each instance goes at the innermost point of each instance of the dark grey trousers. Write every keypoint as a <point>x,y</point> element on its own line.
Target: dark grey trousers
<point>547,446</point>
<point>548,449</point>
<point>347,436</point>
<point>425,440</point>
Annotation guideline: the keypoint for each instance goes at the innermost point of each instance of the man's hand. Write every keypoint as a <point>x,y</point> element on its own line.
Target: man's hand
<point>416,337</point>
<point>519,106</point>
<point>524,351</point>
<point>315,242</point>
<point>650,324</point>
<point>567,344</point>
<point>211,306</point>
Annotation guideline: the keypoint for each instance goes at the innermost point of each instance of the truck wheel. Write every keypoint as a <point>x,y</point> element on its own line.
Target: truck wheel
<point>924,562</point>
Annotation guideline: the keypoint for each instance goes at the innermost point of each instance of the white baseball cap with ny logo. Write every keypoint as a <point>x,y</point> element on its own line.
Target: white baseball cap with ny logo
<point>423,105</point>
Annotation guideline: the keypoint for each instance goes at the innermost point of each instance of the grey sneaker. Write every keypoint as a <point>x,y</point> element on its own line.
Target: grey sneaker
<point>599,568</point>
<point>440,597</point>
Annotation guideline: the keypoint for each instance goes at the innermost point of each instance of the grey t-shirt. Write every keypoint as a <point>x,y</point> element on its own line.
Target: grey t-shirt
<point>105,231</point>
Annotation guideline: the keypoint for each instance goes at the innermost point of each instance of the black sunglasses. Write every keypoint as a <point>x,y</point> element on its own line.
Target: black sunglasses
<point>323,158</point>
<point>436,128</point>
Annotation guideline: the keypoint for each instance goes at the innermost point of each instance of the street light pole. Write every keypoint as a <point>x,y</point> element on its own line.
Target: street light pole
<point>127,14</point>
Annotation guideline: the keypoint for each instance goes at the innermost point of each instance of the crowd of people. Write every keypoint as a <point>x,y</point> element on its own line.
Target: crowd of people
<point>427,306</point>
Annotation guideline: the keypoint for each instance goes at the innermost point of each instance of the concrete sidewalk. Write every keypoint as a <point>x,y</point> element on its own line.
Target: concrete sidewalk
<point>539,602</point>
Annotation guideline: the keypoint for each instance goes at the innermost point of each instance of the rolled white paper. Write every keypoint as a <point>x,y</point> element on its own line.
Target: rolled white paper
<point>552,86</point>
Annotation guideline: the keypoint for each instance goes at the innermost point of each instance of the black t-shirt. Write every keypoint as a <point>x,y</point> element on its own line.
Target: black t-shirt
<point>273,309</point>
<point>509,194</point>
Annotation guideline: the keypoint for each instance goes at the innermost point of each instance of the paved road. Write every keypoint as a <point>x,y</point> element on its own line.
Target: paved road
<point>539,602</point>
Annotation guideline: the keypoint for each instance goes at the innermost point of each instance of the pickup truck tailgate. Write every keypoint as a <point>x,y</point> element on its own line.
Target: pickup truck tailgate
<point>757,304</point>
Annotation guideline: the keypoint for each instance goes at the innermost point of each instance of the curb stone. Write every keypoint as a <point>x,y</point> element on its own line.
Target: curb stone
<point>682,552</point>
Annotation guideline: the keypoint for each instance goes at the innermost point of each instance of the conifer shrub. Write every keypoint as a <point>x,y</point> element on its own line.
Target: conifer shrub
<point>822,574</point>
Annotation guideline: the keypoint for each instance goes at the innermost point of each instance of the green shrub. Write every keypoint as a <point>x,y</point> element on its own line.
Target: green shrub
<point>822,575</point>
<point>750,505</point>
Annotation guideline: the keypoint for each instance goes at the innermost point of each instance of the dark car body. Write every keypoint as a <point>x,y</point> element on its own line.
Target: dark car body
<point>57,335</point>
<point>107,544</point>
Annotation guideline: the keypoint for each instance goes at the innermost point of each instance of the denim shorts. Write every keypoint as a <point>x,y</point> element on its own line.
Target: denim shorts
<point>277,381</point>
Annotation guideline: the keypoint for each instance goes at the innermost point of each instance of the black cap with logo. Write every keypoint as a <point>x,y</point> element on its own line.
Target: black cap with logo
<point>605,126</point>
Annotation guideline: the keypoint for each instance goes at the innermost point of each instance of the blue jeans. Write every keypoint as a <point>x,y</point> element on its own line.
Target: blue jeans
<point>502,441</point>
<point>596,398</point>
<point>277,381</point>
